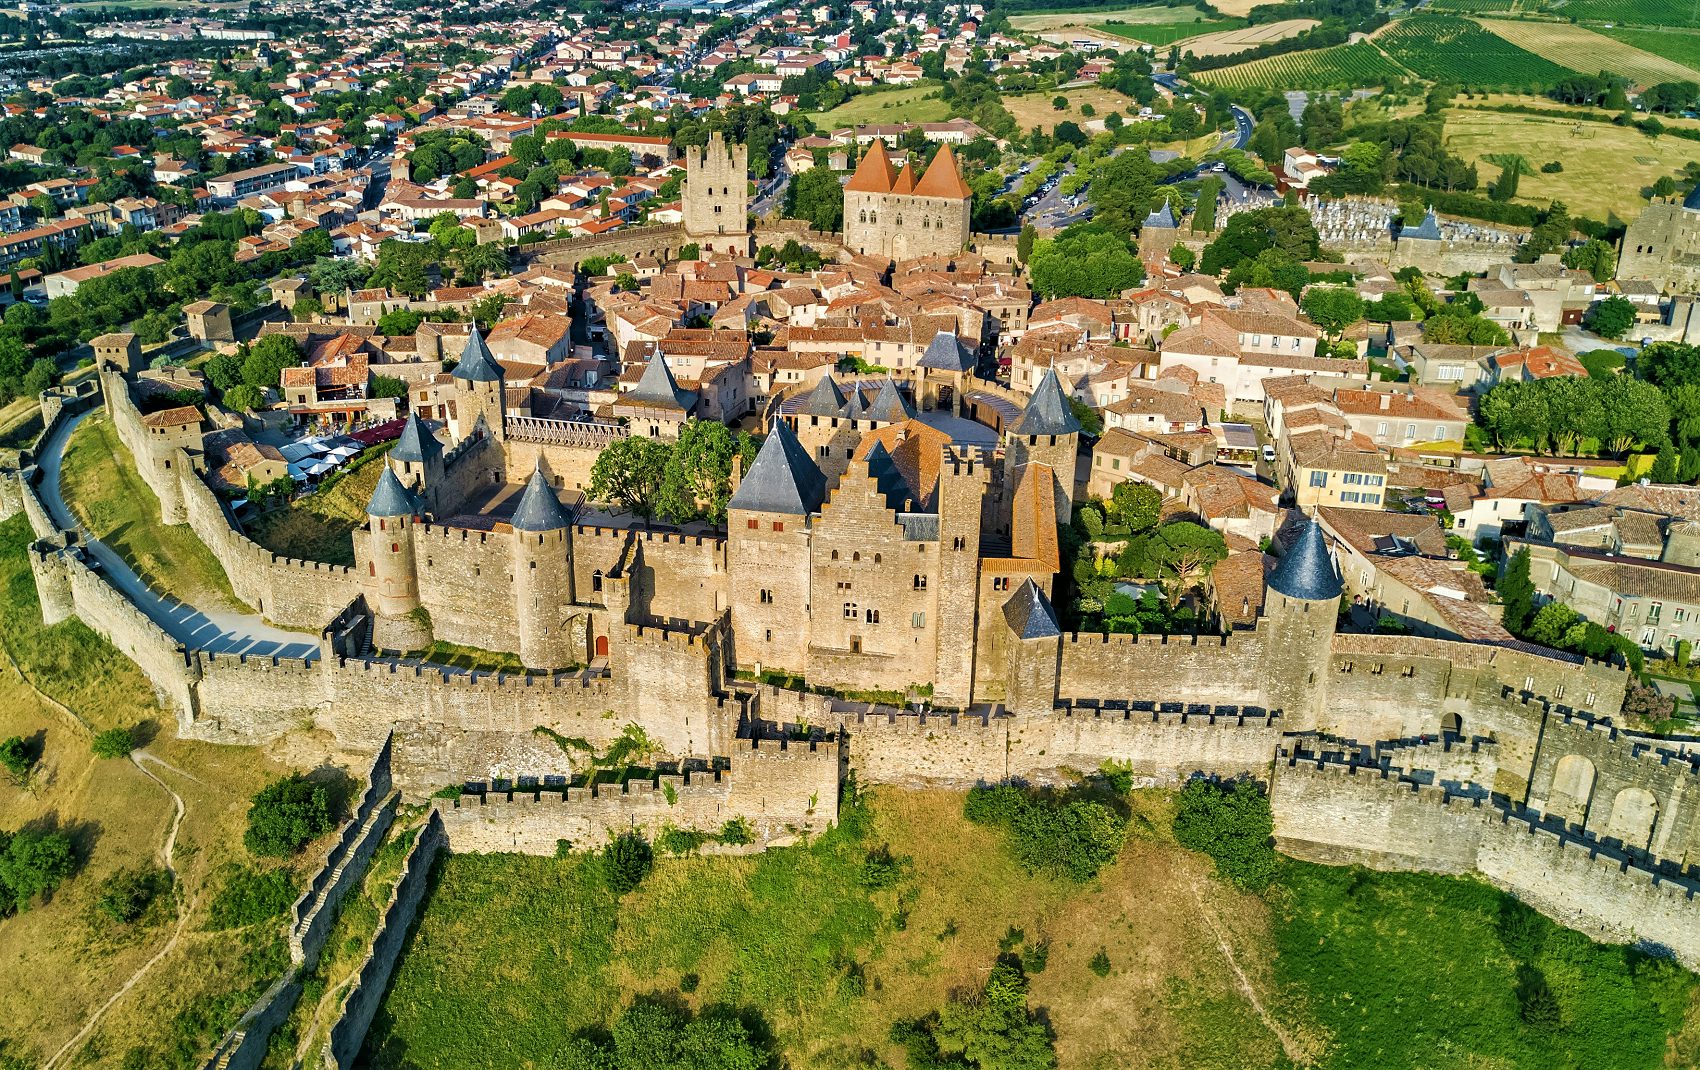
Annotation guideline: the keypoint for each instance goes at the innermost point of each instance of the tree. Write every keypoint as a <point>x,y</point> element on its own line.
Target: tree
<point>113,743</point>
<point>245,398</point>
<point>480,262</point>
<point>629,474</point>
<point>266,360</point>
<point>1024,242</point>
<point>32,863</point>
<point>1333,308</point>
<point>1059,103</point>
<point>16,759</point>
<point>1137,505</point>
<point>995,1030</point>
<point>1669,364</point>
<point>1121,192</point>
<point>388,386</point>
<point>1517,592</point>
<point>1285,229</point>
<point>1612,317</point>
<point>400,321</point>
<point>1086,260</point>
<point>314,243</point>
<point>1464,330</point>
<point>697,478</point>
<point>1232,823</point>
<point>816,196</point>
<point>285,815</point>
<point>1594,256</point>
<point>626,861</point>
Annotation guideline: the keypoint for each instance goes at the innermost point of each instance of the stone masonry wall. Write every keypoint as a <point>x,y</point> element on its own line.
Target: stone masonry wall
<point>348,1033</point>
<point>1203,669</point>
<point>781,789</point>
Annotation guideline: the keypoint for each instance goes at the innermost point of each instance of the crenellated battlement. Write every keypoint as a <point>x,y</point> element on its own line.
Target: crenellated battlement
<point>439,675</point>
<point>663,538</point>
<point>212,661</point>
<point>1107,639</point>
<point>702,781</point>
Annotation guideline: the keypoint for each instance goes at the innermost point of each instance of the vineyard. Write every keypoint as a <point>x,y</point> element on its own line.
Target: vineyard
<point>1163,34</point>
<point>1581,49</point>
<point>1443,48</point>
<point>1639,12</point>
<point>1340,67</point>
<point>1682,47</point>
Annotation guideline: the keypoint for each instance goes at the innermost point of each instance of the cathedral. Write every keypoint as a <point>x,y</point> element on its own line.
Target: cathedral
<point>896,214</point>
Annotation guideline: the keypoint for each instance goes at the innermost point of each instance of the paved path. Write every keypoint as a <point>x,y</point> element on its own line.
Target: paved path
<point>222,631</point>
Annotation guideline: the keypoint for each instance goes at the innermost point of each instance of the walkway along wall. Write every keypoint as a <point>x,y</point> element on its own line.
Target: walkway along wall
<point>367,992</point>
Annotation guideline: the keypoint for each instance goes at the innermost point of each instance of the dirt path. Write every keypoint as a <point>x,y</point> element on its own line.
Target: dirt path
<point>1296,1052</point>
<point>167,851</point>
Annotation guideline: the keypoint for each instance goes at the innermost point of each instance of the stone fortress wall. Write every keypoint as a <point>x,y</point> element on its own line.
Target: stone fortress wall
<point>1168,708</point>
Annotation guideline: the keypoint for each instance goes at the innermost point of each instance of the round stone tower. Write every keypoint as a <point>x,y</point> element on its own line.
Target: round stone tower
<point>543,577</point>
<point>392,576</point>
<point>1299,611</point>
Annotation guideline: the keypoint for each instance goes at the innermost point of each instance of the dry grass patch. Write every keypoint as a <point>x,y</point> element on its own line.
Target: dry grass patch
<point>1581,49</point>
<point>1034,109</point>
<point>102,487</point>
<point>910,104</point>
<point>1227,42</point>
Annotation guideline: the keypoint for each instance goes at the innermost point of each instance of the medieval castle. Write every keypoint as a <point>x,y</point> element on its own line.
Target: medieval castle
<point>879,601</point>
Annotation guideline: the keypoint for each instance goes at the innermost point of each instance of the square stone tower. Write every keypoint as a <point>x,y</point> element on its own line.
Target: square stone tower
<point>717,196</point>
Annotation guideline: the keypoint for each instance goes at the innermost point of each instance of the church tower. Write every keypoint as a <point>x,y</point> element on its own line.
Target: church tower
<point>717,196</point>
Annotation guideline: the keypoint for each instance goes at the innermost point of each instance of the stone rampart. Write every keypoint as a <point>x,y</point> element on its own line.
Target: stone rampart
<point>354,1017</point>
<point>1214,669</point>
<point>888,746</point>
<point>661,241</point>
<point>345,864</point>
<point>244,1047</point>
<point>781,789</point>
<point>254,698</point>
<point>1339,814</point>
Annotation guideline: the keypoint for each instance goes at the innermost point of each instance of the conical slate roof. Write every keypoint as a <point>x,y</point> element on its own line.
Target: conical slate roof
<point>947,353</point>
<point>1693,198</point>
<point>658,387</point>
<point>476,364</point>
<point>856,405</point>
<point>1429,228</point>
<point>1029,615</point>
<point>1306,570</point>
<point>416,445</point>
<point>888,405</point>
<point>1162,217</point>
<point>825,399</point>
<point>539,509</point>
<point>782,479</point>
<point>390,498</point>
<point>1048,411</point>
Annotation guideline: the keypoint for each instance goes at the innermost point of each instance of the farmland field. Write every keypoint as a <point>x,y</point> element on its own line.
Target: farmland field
<point>1227,42</point>
<point>1677,45</point>
<point>1637,12</point>
<point>1581,49</point>
<point>1167,33</point>
<point>1155,13</point>
<point>1344,66</point>
<point>1444,48</point>
<point>911,104</point>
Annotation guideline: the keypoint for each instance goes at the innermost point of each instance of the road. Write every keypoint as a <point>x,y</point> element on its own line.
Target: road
<point>221,631</point>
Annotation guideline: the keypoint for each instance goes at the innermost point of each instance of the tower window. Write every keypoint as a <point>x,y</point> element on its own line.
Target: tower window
<point>766,597</point>
<point>920,582</point>
<point>596,581</point>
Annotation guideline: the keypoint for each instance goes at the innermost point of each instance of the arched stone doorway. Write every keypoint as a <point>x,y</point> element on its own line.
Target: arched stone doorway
<point>1634,812</point>
<point>602,646</point>
<point>1452,725</point>
<point>1572,788</point>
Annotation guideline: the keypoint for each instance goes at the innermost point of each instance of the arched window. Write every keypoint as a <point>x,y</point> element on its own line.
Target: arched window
<point>835,555</point>
<point>900,220</point>
<point>863,217</point>
<point>856,556</point>
<point>876,559</point>
<point>873,217</point>
<point>596,581</point>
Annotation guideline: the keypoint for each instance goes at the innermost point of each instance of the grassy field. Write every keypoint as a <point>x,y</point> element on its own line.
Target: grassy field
<point>1359,969</point>
<point>1339,67</point>
<point>1034,109</point>
<point>320,526</point>
<point>1605,166</point>
<point>102,488</point>
<point>1679,46</point>
<point>1581,49</point>
<point>1450,49</point>
<point>910,104</point>
<point>60,960</point>
<point>1163,34</point>
<point>1153,14</point>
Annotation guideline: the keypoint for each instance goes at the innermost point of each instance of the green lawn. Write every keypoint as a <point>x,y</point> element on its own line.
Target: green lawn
<point>514,954</point>
<point>101,486</point>
<point>909,104</point>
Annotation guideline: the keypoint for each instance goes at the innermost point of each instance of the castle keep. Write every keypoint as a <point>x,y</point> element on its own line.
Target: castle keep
<point>716,196</point>
<point>896,214</point>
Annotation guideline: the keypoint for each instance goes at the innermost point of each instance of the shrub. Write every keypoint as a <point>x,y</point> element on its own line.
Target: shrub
<point>250,896</point>
<point>1100,963</point>
<point>126,895</point>
<point>32,863</point>
<point>1072,837</point>
<point>1230,822</point>
<point>16,759</point>
<point>678,841</point>
<point>113,743</point>
<point>881,868</point>
<point>285,815</point>
<point>626,861</point>
<point>737,832</point>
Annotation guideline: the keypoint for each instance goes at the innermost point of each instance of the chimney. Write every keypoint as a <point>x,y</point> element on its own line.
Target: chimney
<point>737,471</point>
<point>1386,401</point>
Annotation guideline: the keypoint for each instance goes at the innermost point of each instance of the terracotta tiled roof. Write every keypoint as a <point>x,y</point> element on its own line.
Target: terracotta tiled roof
<point>874,173</point>
<point>943,178</point>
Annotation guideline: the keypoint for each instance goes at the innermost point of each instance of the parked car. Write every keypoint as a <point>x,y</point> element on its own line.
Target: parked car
<point>1268,453</point>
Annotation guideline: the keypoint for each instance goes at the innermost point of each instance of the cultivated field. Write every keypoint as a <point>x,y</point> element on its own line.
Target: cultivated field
<point>1163,34</point>
<point>1581,49</point>
<point>1155,13</point>
<point>1034,109</point>
<point>1636,12</point>
<point>1443,48</point>
<point>1340,67</point>
<point>1605,166</point>
<point>1679,46</point>
<point>1227,42</point>
<point>910,104</point>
